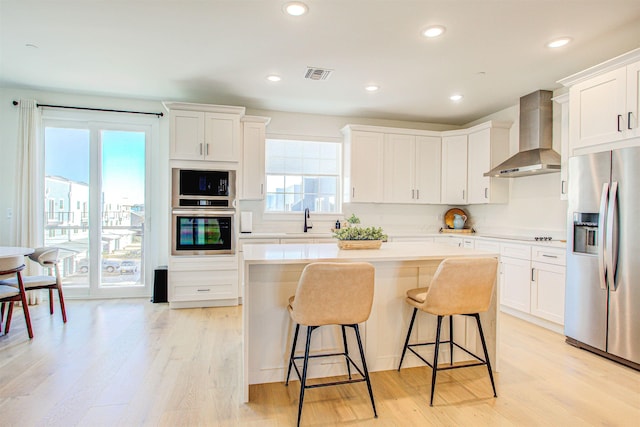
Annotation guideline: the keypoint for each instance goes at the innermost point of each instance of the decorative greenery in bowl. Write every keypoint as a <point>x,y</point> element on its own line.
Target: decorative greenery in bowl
<point>356,237</point>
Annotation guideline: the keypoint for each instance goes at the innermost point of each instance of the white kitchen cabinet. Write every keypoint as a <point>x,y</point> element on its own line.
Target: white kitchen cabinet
<point>563,101</point>
<point>548,283</point>
<point>411,168</point>
<point>362,166</point>
<point>488,146</point>
<point>454,169</point>
<point>196,281</point>
<point>487,245</point>
<point>253,162</point>
<point>515,276</point>
<point>449,240</point>
<point>604,102</point>
<point>204,132</point>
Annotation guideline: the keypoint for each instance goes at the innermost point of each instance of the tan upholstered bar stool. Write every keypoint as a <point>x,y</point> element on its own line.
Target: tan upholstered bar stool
<point>462,286</point>
<point>332,294</point>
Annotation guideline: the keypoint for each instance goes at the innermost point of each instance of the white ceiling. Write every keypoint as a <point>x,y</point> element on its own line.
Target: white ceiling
<point>216,51</point>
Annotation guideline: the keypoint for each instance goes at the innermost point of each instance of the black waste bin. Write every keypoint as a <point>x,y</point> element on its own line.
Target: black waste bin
<point>160,284</point>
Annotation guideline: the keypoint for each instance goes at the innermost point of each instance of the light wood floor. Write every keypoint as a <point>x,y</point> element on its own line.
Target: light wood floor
<point>131,363</point>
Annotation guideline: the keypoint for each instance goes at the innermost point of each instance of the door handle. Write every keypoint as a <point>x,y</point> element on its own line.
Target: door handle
<point>486,192</point>
<point>207,150</point>
<point>619,127</point>
<point>353,192</point>
<point>413,194</point>
<point>563,187</point>
<point>629,120</point>
<point>612,237</point>
<point>533,279</point>
<point>261,189</point>
<point>201,149</point>
<point>417,193</point>
<point>604,201</point>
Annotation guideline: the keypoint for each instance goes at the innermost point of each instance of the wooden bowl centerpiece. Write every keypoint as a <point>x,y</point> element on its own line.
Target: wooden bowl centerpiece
<point>356,237</point>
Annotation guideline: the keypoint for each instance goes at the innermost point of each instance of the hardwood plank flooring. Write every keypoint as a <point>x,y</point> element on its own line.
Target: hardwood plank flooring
<point>133,363</point>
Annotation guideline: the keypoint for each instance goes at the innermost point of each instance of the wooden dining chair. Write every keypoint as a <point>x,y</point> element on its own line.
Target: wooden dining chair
<point>10,294</point>
<point>47,258</point>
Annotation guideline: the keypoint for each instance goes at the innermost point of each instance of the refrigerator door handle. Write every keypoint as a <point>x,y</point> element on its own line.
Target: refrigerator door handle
<point>612,238</point>
<point>602,221</point>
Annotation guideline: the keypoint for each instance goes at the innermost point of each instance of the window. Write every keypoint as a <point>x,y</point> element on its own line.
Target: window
<point>302,174</point>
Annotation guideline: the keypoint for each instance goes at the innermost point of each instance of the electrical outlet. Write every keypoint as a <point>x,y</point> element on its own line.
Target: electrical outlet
<point>9,213</point>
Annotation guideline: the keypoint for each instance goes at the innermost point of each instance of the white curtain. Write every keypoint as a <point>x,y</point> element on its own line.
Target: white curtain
<point>28,212</point>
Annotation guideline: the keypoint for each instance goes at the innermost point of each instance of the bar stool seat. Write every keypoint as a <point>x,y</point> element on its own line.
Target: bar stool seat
<point>460,286</point>
<point>331,294</point>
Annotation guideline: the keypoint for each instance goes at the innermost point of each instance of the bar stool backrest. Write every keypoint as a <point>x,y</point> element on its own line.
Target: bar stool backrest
<point>331,293</point>
<point>461,286</point>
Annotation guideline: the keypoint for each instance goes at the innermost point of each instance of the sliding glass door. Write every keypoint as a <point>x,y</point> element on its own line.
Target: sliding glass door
<point>95,198</point>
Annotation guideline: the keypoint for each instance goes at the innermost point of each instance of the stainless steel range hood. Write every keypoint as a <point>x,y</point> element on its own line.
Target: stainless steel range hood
<point>536,156</point>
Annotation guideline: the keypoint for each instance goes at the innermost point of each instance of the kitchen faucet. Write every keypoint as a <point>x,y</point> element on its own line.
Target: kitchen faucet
<point>307,224</point>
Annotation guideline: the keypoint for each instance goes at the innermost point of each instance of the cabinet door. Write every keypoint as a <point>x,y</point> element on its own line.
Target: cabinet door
<point>633,100</point>
<point>398,169</point>
<point>547,292</point>
<point>366,167</point>
<point>479,162</point>
<point>187,135</point>
<point>515,283</point>
<point>598,109</point>
<point>253,161</point>
<point>454,170</point>
<point>222,139</point>
<point>428,155</point>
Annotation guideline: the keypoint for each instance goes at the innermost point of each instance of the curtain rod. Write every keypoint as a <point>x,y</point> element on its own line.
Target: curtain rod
<point>160,114</point>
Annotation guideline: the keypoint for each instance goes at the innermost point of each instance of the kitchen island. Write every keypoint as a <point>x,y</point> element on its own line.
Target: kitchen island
<point>271,275</point>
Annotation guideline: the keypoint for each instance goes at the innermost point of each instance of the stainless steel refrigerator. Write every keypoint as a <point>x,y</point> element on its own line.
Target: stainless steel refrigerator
<point>602,300</point>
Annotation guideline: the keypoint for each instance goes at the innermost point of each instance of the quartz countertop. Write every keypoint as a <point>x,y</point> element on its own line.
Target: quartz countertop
<point>390,251</point>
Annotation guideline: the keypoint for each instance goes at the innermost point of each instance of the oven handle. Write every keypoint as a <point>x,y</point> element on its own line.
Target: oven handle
<point>203,212</point>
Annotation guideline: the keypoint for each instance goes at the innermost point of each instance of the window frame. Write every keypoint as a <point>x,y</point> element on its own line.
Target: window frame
<point>286,215</point>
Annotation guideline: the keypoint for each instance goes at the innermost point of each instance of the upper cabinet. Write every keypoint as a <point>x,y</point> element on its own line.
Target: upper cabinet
<point>204,132</point>
<point>488,146</point>
<point>253,163</point>
<point>362,165</point>
<point>424,167</point>
<point>604,102</point>
<point>411,168</point>
<point>454,169</point>
<point>466,156</point>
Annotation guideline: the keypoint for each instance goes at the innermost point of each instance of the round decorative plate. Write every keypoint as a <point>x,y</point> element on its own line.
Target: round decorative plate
<point>448,217</point>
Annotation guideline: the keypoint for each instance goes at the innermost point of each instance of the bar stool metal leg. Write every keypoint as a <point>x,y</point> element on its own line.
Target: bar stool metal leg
<point>293,351</point>
<point>435,360</point>
<point>406,342</point>
<point>346,350</point>
<point>451,338</point>
<point>486,353</point>
<point>303,380</point>
<point>364,368</point>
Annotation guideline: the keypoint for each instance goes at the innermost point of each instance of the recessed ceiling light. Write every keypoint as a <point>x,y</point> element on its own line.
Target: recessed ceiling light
<point>456,97</point>
<point>563,41</point>
<point>296,8</point>
<point>434,31</point>
<point>371,88</point>
<point>273,78</point>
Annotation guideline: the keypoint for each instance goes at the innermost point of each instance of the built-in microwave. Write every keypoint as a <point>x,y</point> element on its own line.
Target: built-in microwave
<point>199,188</point>
<point>202,232</point>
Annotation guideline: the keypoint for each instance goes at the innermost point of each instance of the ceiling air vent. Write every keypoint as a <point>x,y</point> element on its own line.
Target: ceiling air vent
<point>317,73</point>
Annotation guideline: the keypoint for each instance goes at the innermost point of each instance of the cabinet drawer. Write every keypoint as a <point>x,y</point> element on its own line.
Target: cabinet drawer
<point>489,246</point>
<point>555,256</point>
<point>205,263</point>
<point>203,285</point>
<point>514,250</point>
<point>242,242</point>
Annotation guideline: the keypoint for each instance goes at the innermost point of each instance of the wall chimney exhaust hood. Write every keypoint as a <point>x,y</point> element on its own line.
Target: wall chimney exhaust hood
<point>535,156</point>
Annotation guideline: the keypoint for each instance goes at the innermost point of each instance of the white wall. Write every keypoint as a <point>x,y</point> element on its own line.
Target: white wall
<point>157,216</point>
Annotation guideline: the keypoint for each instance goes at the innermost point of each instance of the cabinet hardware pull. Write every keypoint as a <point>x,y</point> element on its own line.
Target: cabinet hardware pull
<point>563,187</point>
<point>418,194</point>
<point>462,194</point>
<point>619,117</point>
<point>550,256</point>
<point>413,194</point>
<point>486,192</point>
<point>353,192</point>
<point>261,188</point>
<point>532,275</point>
<point>204,290</point>
<point>201,149</point>
<point>629,120</point>
<point>207,150</point>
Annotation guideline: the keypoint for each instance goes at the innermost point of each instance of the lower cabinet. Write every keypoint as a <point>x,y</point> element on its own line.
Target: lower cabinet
<point>532,282</point>
<point>205,281</point>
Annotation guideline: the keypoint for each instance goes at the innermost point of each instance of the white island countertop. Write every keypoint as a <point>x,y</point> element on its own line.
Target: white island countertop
<point>389,251</point>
